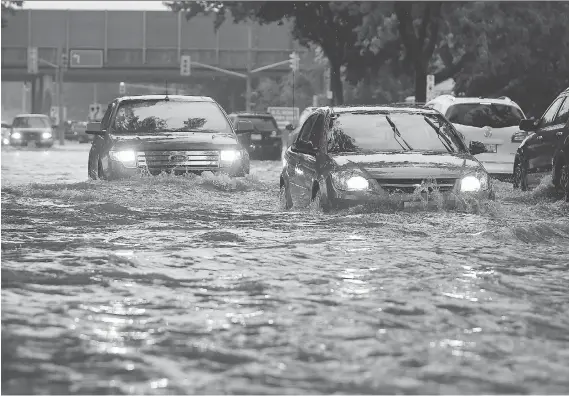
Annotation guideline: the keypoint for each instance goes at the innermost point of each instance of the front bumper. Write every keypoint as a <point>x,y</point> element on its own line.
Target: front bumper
<point>495,168</point>
<point>26,141</point>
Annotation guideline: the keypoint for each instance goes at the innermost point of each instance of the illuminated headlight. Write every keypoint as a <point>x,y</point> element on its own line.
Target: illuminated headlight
<point>474,183</point>
<point>16,135</point>
<point>126,157</point>
<point>46,135</point>
<point>349,182</point>
<point>5,141</point>
<point>229,155</point>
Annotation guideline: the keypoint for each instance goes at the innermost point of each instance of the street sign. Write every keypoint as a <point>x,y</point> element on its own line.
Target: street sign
<point>86,59</point>
<point>284,115</point>
<point>33,60</point>
<point>185,65</point>
<point>95,112</point>
<point>430,87</point>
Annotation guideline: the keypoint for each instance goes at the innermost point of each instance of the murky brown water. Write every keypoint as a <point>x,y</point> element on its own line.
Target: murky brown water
<point>174,285</point>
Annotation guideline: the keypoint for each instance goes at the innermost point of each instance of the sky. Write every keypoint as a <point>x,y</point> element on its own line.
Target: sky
<point>95,5</point>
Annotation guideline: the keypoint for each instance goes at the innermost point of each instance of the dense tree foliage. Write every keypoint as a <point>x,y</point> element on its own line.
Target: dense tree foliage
<point>380,49</point>
<point>8,7</point>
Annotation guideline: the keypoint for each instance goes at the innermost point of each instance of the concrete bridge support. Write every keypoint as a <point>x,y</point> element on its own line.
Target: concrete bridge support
<point>43,94</point>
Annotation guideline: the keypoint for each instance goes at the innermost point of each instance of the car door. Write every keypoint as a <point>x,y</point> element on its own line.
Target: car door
<point>542,144</point>
<point>101,144</point>
<point>296,155</point>
<point>306,167</point>
<point>561,124</point>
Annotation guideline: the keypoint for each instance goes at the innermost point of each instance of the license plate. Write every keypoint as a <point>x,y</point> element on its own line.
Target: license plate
<point>32,144</point>
<point>491,148</point>
<point>256,137</point>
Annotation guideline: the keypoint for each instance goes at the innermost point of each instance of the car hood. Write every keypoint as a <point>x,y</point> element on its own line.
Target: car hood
<point>411,164</point>
<point>176,141</point>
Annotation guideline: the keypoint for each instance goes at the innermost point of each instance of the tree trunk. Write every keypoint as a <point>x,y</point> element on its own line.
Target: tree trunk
<point>336,84</point>
<point>420,84</point>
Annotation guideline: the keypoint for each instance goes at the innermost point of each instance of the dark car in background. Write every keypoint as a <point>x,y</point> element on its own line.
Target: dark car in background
<point>535,155</point>
<point>265,142</point>
<point>76,130</point>
<point>166,133</point>
<point>353,155</point>
<point>32,130</point>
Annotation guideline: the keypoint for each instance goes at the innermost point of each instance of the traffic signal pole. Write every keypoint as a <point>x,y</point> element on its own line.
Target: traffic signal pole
<point>59,72</point>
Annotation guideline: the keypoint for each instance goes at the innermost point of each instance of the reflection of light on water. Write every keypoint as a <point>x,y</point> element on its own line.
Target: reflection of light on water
<point>351,285</point>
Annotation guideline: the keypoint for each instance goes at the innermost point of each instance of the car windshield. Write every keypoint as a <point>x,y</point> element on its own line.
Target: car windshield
<point>373,131</point>
<point>31,122</point>
<point>155,116</point>
<point>261,123</point>
<point>485,114</point>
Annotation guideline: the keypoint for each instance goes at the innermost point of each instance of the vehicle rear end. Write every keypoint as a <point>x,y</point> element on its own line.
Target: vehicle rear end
<point>266,140</point>
<point>32,130</point>
<point>80,129</point>
<point>494,123</point>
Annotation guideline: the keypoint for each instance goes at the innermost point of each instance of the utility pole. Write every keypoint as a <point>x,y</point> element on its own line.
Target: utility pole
<point>60,70</point>
<point>249,61</point>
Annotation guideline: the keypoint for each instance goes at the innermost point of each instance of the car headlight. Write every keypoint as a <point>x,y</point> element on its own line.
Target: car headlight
<point>5,141</point>
<point>16,135</point>
<point>474,183</point>
<point>229,155</point>
<point>46,135</point>
<point>126,157</point>
<point>348,181</point>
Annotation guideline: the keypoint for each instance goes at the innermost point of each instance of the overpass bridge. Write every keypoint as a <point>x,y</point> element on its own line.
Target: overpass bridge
<point>138,47</point>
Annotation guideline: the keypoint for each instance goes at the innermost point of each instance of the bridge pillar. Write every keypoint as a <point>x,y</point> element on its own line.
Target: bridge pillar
<point>42,94</point>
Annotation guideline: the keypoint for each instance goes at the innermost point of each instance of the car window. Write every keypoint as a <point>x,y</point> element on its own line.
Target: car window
<point>371,131</point>
<point>107,116</point>
<point>160,115</point>
<point>262,123</point>
<point>317,130</point>
<point>549,115</point>
<point>31,122</point>
<point>480,115</point>
<point>563,114</point>
<point>304,133</point>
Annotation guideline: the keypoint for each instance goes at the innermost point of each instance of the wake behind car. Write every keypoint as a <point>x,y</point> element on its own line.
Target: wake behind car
<point>353,155</point>
<point>491,121</point>
<point>265,142</point>
<point>166,133</point>
<point>537,154</point>
<point>32,130</point>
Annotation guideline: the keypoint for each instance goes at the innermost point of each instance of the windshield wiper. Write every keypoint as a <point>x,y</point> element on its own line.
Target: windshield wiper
<point>441,136</point>
<point>397,134</point>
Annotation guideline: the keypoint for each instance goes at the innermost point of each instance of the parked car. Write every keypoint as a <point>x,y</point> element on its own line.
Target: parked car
<point>548,134</point>
<point>33,130</point>
<point>265,142</point>
<point>491,121</point>
<point>5,133</point>
<point>166,133</point>
<point>352,155</point>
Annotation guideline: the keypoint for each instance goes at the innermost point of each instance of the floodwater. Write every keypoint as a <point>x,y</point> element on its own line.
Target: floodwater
<point>177,285</point>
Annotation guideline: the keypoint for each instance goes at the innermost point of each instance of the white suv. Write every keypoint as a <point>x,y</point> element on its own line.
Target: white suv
<point>493,122</point>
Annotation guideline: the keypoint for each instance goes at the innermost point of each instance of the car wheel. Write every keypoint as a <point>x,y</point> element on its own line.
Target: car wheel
<point>285,200</point>
<point>564,181</point>
<point>521,175</point>
<point>93,167</point>
<point>320,202</point>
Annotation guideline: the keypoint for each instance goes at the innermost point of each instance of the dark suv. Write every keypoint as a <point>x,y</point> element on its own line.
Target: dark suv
<point>166,133</point>
<point>265,142</point>
<point>543,150</point>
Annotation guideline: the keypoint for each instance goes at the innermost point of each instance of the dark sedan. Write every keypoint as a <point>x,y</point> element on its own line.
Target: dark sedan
<point>353,155</point>
<point>266,140</point>
<point>166,133</point>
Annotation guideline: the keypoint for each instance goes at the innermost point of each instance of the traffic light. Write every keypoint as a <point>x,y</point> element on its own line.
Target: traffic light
<point>294,61</point>
<point>64,61</point>
<point>122,88</point>
<point>185,65</point>
<point>32,60</point>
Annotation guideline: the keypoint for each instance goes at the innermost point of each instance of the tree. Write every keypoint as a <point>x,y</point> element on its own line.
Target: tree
<point>8,6</point>
<point>328,25</point>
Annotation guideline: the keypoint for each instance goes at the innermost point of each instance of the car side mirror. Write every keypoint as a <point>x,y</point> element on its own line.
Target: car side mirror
<point>528,125</point>
<point>289,127</point>
<point>244,126</point>
<point>94,128</point>
<point>477,148</point>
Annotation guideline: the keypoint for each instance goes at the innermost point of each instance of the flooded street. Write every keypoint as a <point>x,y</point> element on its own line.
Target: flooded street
<point>184,285</point>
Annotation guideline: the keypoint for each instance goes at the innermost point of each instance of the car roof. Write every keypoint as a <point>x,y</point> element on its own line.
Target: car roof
<point>29,115</point>
<point>395,107</point>
<point>451,99</point>
<point>183,98</point>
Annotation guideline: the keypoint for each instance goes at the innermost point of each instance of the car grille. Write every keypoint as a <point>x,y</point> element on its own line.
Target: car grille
<point>189,161</point>
<point>409,185</point>
<point>31,135</point>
